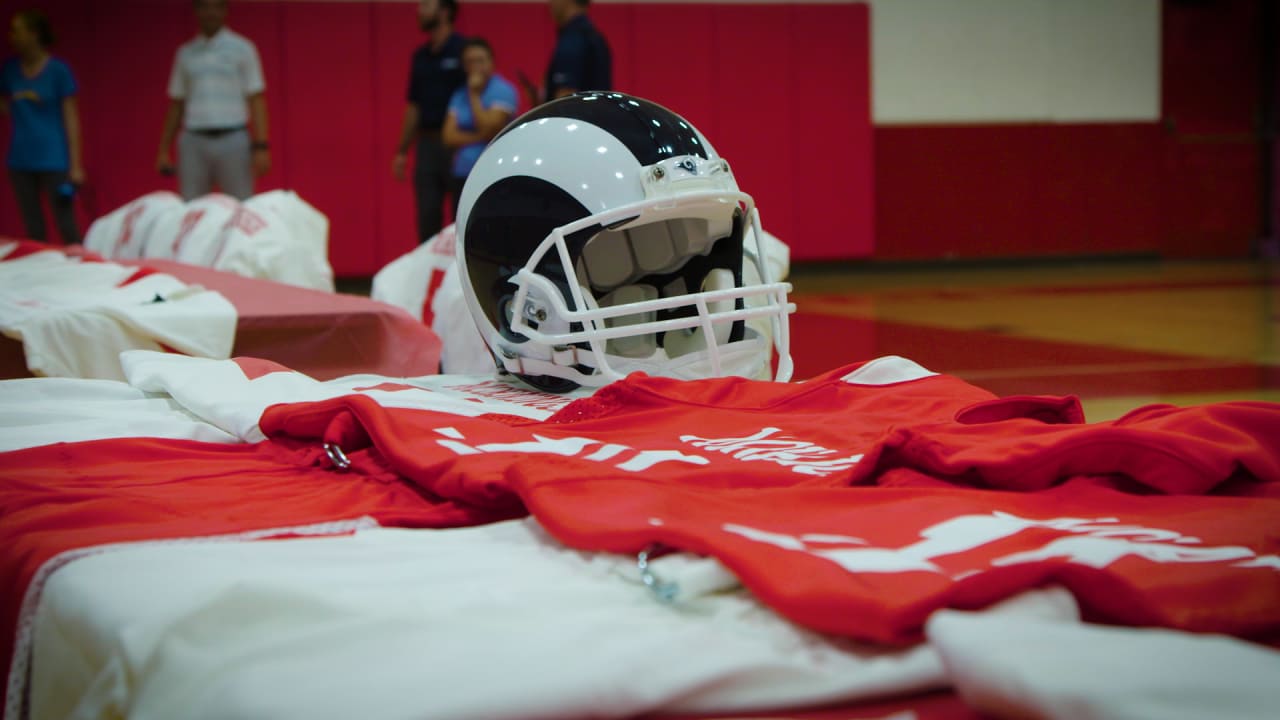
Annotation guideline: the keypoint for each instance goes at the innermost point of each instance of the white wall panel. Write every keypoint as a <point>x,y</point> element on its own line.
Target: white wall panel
<point>1105,60</point>
<point>985,61</point>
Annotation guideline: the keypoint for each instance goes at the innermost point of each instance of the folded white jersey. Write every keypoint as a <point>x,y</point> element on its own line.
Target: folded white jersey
<point>1029,667</point>
<point>497,621</point>
<point>231,394</point>
<point>75,317</point>
<point>43,411</point>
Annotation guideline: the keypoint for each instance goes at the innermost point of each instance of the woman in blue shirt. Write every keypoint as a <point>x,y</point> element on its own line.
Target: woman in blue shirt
<point>477,112</point>
<point>38,92</point>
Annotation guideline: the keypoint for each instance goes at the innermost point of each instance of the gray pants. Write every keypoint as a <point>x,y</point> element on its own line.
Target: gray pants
<point>27,186</point>
<point>208,160</point>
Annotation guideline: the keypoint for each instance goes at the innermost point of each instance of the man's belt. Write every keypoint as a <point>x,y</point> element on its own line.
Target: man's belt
<point>215,132</point>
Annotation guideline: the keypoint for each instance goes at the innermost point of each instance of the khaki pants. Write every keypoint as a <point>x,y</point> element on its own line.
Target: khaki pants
<point>221,160</point>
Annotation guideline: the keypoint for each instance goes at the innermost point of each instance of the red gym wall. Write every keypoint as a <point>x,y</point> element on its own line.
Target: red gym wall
<point>782,89</point>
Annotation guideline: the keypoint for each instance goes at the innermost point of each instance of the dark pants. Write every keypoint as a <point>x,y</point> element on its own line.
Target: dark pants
<point>455,192</point>
<point>27,186</point>
<point>431,179</point>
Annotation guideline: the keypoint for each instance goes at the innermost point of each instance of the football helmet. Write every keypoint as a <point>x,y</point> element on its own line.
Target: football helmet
<point>601,234</point>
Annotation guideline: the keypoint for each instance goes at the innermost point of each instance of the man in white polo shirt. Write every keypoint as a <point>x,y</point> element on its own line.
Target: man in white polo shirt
<point>216,92</point>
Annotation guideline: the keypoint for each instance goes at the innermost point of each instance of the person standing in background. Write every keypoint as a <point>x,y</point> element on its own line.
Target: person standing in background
<point>477,112</point>
<point>435,72</point>
<point>581,59</point>
<point>38,91</point>
<point>215,88</point>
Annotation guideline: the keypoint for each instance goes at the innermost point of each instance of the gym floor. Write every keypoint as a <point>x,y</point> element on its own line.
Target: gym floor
<point>1119,333</point>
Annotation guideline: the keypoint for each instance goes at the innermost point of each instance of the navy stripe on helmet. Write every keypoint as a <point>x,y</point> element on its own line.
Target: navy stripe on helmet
<point>650,131</point>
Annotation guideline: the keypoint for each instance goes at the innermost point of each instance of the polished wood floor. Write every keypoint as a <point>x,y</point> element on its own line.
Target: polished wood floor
<point>1118,333</point>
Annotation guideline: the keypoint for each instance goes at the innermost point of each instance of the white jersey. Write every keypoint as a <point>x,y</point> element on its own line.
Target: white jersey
<point>41,411</point>
<point>202,234</point>
<point>290,243</point>
<point>526,628</point>
<point>412,280</point>
<point>275,235</point>
<point>74,318</point>
<point>231,394</point>
<point>168,395</point>
<point>426,284</point>
<point>1021,667</point>
<point>126,232</point>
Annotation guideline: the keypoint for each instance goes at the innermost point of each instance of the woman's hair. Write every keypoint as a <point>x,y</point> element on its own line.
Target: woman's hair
<point>37,23</point>
<point>478,42</point>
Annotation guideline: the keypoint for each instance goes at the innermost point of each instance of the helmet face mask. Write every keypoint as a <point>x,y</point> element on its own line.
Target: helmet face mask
<point>583,263</point>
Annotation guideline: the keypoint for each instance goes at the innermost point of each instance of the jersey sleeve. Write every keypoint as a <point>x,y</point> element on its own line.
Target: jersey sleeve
<point>177,78</point>
<point>65,82</point>
<point>251,71</point>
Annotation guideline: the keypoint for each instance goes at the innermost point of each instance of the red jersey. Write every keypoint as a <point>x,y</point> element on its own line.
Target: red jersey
<point>856,503</point>
<point>859,509</point>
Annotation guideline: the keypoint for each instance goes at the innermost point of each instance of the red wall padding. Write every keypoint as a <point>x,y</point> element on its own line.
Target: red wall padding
<point>1017,190</point>
<point>782,91</point>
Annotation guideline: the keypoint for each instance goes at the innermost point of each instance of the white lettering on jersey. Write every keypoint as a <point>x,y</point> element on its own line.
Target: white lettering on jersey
<point>799,455</point>
<point>638,461</point>
<point>1101,552</point>
<point>786,542</point>
<point>495,390</point>
<point>1271,561</point>
<point>1096,543</point>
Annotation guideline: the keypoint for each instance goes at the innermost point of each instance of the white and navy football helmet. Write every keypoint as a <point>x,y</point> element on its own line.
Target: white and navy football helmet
<point>601,234</point>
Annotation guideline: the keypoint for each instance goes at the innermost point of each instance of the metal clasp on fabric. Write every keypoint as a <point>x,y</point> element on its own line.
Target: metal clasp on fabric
<point>336,456</point>
<point>664,591</point>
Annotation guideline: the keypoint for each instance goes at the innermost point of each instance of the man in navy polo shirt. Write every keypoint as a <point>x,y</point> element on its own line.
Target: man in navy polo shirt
<point>581,60</point>
<point>435,72</point>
